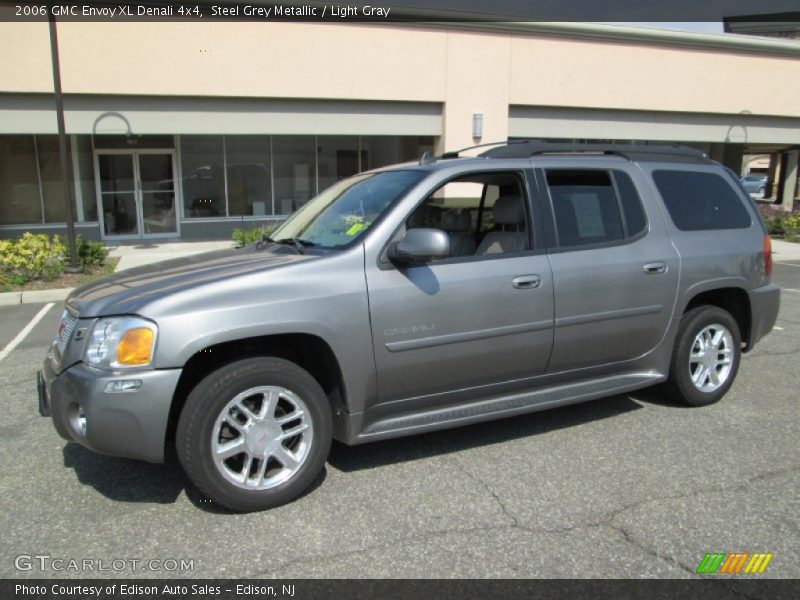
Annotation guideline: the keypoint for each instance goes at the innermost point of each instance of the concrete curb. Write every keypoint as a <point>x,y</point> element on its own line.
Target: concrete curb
<point>34,296</point>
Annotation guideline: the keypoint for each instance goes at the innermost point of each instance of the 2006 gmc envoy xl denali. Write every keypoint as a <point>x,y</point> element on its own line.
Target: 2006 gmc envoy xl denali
<point>419,297</point>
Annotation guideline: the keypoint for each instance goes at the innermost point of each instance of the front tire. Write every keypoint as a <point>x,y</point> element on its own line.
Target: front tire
<point>255,433</point>
<point>706,356</point>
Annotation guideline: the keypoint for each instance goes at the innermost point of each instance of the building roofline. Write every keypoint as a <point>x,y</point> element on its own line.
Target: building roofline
<point>622,33</point>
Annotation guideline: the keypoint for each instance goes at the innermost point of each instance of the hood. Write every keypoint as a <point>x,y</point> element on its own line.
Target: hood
<point>127,291</point>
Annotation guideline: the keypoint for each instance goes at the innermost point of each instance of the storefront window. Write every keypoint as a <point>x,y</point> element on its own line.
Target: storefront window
<point>202,163</point>
<point>247,164</point>
<point>382,150</point>
<point>338,158</point>
<point>294,164</point>
<point>83,163</point>
<point>20,201</point>
<point>55,210</point>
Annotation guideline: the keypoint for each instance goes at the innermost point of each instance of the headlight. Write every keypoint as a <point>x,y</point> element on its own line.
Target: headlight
<point>121,342</point>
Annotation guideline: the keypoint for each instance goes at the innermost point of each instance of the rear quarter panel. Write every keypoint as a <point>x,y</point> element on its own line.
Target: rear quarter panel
<point>712,259</point>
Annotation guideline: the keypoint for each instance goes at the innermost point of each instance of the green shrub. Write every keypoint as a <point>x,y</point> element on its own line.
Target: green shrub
<point>33,256</point>
<point>791,228</point>
<point>775,217</point>
<point>243,237</point>
<point>774,225</point>
<point>90,253</point>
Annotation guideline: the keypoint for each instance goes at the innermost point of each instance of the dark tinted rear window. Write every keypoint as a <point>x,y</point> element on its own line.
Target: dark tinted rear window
<point>700,201</point>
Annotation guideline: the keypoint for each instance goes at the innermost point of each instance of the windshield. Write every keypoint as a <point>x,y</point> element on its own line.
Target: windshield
<point>347,209</point>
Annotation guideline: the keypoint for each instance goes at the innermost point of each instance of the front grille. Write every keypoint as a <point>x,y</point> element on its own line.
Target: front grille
<point>65,328</point>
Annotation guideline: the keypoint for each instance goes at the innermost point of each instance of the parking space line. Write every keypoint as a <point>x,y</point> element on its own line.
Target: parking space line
<point>25,331</point>
<point>791,290</point>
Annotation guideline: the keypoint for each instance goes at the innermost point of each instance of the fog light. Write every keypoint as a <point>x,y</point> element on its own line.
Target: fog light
<point>81,421</point>
<point>77,418</point>
<point>123,385</point>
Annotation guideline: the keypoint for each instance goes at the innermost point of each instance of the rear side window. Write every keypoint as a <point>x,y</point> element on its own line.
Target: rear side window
<point>594,206</point>
<point>700,201</point>
<point>631,204</point>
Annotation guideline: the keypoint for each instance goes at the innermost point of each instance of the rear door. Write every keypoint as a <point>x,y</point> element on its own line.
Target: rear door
<point>615,271</point>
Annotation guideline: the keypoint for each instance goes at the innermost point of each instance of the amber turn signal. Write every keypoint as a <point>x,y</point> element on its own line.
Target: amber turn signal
<point>135,347</point>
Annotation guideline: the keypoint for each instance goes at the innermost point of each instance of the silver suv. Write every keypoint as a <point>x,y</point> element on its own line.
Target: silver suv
<point>419,297</point>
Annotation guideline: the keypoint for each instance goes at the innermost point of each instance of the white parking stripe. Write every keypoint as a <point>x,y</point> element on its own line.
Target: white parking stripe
<point>25,331</point>
<point>776,328</point>
<point>791,290</point>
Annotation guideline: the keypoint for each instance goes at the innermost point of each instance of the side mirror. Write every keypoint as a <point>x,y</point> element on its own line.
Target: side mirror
<point>419,245</point>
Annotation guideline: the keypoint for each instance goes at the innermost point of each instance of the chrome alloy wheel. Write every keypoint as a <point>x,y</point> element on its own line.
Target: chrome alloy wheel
<point>261,437</point>
<point>711,358</point>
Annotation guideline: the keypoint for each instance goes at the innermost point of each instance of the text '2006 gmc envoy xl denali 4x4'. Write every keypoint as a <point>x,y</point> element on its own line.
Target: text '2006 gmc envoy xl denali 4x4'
<point>419,297</point>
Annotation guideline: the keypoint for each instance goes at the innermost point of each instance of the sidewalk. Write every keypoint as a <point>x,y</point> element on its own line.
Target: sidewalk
<point>143,254</point>
<point>785,251</point>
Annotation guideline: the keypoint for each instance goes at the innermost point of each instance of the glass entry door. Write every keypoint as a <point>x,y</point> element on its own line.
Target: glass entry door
<point>137,194</point>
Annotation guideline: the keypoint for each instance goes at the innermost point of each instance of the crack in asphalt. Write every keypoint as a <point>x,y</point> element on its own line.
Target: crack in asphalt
<point>355,552</point>
<point>492,493</point>
<point>608,521</point>
<point>630,539</point>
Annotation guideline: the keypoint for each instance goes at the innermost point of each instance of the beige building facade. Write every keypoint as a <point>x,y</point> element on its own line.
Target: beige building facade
<point>187,130</point>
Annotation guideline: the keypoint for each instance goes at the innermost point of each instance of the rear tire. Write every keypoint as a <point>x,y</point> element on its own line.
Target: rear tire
<point>255,433</point>
<point>706,356</point>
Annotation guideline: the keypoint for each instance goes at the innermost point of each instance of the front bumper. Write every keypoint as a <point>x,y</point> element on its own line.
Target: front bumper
<point>764,305</point>
<point>131,424</point>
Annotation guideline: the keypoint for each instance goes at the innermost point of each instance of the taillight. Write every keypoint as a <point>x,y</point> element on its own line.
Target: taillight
<point>767,255</point>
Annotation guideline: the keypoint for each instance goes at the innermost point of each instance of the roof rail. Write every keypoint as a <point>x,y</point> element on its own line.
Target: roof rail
<point>455,153</point>
<point>529,148</point>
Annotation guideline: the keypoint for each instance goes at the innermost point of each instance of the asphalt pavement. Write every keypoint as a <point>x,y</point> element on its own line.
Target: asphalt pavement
<point>628,486</point>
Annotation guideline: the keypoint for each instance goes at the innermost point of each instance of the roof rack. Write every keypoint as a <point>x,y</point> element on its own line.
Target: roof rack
<point>456,153</point>
<point>528,148</point>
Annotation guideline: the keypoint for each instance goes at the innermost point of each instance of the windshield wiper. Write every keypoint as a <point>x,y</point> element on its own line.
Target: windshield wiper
<point>298,244</point>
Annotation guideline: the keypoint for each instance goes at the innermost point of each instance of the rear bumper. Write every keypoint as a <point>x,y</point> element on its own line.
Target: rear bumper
<point>130,424</point>
<point>764,305</point>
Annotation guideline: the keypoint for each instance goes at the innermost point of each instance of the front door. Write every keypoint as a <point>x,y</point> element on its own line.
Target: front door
<point>455,329</point>
<point>136,192</point>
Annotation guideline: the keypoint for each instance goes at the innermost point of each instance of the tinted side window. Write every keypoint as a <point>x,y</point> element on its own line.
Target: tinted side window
<point>700,201</point>
<point>585,207</point>
<point>631,204</point>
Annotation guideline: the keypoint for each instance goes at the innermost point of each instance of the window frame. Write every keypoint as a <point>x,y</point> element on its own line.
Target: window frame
<point>554,245</point>
<point>533,216</point>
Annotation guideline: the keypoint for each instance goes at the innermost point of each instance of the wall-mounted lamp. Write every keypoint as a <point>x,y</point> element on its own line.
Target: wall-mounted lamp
<point>477,125</point>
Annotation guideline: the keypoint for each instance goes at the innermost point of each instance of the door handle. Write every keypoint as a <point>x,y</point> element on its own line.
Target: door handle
<point>655,268</point>
<point>526,282</point>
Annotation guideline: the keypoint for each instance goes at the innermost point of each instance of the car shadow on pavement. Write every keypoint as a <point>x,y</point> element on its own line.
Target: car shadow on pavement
<point>125,480</point>
<point>354,458</point>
